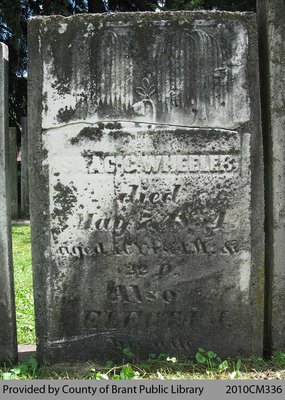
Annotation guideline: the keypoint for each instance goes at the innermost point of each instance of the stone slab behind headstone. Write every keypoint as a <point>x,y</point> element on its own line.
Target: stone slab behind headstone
<point>147,177</point>
<point>25,204</point>
<point>8,342</point>
<point>271,16</point>
<point>13,172</point>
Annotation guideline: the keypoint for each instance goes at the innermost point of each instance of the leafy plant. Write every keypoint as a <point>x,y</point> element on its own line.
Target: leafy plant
<point>127,352</point>
<point>162,357</point>
<point>109,364</point>
<point>223,366</point>
<point>123,372</point>
<point>279,359</point>
<point>26,370</point>
<point>99,376</point>
<point>212,362</point>
<point>127,372</point>
<point>236,372</point>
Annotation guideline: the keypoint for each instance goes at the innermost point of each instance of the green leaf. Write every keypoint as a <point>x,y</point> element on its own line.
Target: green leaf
<point>16,370</point>
<point>211,354</point>
<point>238,364</point>
<point>109,364</point>
<point>223,366</point>
<point>200,358</point>
<point>200,350</point>
<point>162,356</point>
<point>127,372</point>
<point>144,365</point>
<point>7,375</point>
<point>24,369</point>
<point>100,376</point>
<point>33,364</point>
<point>127,352</point>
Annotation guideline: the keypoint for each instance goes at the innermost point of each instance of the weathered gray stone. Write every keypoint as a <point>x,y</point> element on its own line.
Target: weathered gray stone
<point>25,204</point>
<point>8,342</point>
<point>271,16</point>
<point>147,176</point>
<point>13,172</point>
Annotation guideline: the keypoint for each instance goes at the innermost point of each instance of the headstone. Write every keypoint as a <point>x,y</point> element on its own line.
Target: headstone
<point>8,342</point>
<point>25,207</point>
<point>147,177</point>
<point>13,172</point>
<point>271,17</point>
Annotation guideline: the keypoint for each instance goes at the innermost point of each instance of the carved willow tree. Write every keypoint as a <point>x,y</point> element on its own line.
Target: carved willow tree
<point>13,30</point>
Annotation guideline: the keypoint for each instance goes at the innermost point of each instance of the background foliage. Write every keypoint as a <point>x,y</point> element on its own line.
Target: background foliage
<point>13,29</point>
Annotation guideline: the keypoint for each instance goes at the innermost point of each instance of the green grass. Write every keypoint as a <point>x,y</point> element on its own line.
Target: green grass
<point>206,366</point>
<point>23,284</point>
<point>156,367</point>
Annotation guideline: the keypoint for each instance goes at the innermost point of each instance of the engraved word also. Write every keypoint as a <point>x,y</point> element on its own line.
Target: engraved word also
<point>133,294</point>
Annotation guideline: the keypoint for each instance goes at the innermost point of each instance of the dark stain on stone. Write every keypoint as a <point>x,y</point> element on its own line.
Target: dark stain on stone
<point>120,134</point>
<point>90,133</point>
<point>202,139</point>
<point>55,231</point>
<point>101,125</point>
<point>64,200</point>
<point>70,309</point>
<point>44,153</point>
<point>45,99</point>
<point>79,111</point>
<point>113,125</point>
<point>65,114</point>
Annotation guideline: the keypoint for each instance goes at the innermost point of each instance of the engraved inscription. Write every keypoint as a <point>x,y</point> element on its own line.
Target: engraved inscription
<point>81,251</point>
<point>106,319</point>
<point>133,294</point>
<point>175,344</point>
<point>145,164</point>
<point>197,247</point>
<point>139,219</point>
<point>189,163</point>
